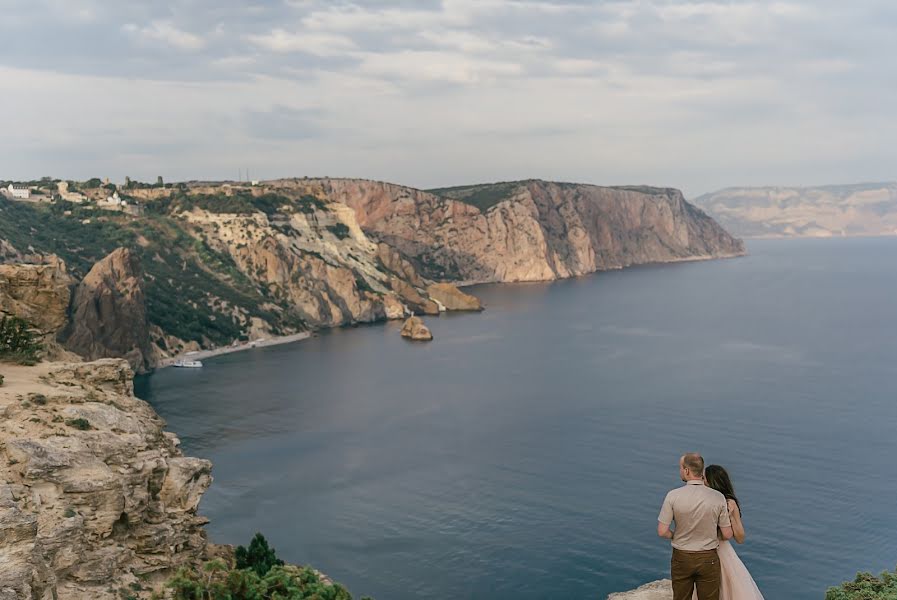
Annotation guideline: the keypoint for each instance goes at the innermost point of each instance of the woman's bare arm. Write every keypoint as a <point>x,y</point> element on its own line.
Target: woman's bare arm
<point>735,518</point>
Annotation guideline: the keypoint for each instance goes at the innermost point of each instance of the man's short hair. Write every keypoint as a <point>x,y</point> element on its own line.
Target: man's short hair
<point>694,462</point>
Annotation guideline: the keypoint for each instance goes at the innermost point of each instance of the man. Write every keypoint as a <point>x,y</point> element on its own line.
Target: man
<point>697,512</point>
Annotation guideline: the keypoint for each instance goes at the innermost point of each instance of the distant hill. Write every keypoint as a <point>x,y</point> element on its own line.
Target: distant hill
<point>861,209</point>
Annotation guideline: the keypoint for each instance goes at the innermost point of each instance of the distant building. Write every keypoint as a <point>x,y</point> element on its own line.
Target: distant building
<point>22,192</point>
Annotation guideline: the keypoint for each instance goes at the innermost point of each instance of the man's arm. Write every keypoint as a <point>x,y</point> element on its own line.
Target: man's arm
<point>723,522</point>
<point>726,532</point>
<point>665,519</point>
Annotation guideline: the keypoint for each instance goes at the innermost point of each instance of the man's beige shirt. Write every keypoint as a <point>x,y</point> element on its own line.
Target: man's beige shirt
<point>697,510</point>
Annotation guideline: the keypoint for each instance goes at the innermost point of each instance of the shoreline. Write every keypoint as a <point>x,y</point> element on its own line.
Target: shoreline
<point>202,354</point>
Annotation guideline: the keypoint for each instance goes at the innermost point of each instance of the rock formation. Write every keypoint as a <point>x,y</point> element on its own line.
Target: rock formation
<point>657,590</point>
<point>414,329</point>
<point>38,293</point>
<point>93,493</point>
<point>109,313</point>
<point>452,298</point>
<point>535,230</point>
<point>862,209</point>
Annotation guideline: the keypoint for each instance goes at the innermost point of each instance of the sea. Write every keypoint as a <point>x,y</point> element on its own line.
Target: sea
<point>525,452</point>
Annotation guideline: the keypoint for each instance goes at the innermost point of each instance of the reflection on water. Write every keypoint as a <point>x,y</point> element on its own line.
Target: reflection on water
<point>525,452</point>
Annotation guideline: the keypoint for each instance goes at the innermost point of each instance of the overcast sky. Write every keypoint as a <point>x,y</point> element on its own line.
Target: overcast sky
<point>696,95</point>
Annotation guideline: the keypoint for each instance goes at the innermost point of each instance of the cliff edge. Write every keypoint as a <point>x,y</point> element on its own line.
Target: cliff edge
<point>95,497</point>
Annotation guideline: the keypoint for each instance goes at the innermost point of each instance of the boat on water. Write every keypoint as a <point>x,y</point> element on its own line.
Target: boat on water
<point>187,364</point>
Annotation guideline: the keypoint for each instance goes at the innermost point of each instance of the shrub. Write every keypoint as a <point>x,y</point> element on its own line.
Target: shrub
<point>866,586</point>
<point>69,513</point>
<point>280,583</point>
<point>18,341</point>
<point>1,379</point>
<point>79,423</point>
<point>340,230</point>
<point>259,556</point>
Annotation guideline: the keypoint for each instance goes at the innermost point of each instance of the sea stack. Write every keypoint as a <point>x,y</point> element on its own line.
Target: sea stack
<point>415,330</point>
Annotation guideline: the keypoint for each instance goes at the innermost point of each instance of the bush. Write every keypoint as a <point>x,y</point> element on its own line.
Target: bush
<point>259,556</point>
<point>340,230</point>
<point>866,586</point>
<point>216,581</point>
<point>79,423</point>
<point>18,341</point>
<point>1,379</point>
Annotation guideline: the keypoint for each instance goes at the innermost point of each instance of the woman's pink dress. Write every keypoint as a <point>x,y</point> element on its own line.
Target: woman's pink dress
<point>736,582</point>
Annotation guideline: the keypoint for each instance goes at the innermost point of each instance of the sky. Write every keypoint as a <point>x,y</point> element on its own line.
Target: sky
<point>697,95</point>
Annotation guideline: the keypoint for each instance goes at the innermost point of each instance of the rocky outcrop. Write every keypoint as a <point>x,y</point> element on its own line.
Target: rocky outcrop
<point>658,590</point>
<point>533,230</point>
<point>109,313</point>
<point>863,209</point>
<point>37,293</point>
<point>452,298</point>
<point>93,494</point>
<point>414,329</point>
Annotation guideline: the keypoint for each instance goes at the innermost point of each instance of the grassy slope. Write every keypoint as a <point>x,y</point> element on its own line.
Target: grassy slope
<point>183,275</point>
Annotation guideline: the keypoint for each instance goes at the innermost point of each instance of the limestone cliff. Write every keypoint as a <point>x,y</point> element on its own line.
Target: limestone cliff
<point>863,209</point>
<point>532,230</point>
<point>38,293</point>
<point>93,493</point>
<point>108,313</point>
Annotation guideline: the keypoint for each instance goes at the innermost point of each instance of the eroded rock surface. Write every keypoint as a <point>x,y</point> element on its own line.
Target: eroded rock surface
<point>109,313</point>
<point>38,293</point>
<point>657,590</point>
<point>452,298</point>
<point>536,231</point>
<point>414,329</point>
<point>93,493</point>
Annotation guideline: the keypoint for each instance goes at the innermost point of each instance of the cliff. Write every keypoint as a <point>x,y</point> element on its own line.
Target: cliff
<point>865,209</point>
<point>38,293</point>
<point>208,264</point>
<point>108,313</point>
<point>532,230</point>
<point>95,497</point>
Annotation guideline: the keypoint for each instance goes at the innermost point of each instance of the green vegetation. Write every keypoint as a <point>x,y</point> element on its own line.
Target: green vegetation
<point>69,513</point>
<point>483,196</point>
<point>79,423</point>
<point>866,586</point>
<point>1,380</point>
<point>18,341</point>
<point>340,230</point>
<point>188,284</point>
<point>259,575</point>
<point>259,556</point>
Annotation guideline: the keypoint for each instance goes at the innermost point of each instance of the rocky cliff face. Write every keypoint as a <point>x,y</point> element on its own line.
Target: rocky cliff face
<point>533,230</point>
<point>94,496</point>
<point>863,209</point>
<point>108,313</point>
<point>38,293</point>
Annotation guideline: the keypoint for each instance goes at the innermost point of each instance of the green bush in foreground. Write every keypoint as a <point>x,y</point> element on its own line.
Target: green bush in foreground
<point>259,575</point>
<point>217,582</point>
<point>18,341</point>
<point>866,586</point>
<point>259,556</point>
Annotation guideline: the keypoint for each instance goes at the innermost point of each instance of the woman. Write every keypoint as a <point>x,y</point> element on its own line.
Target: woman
<point>736,582</point>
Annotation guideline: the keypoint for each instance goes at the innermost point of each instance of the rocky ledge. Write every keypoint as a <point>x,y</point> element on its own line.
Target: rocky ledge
<point>415,330</point>
<point>94,496</point>
<point>657,590</point>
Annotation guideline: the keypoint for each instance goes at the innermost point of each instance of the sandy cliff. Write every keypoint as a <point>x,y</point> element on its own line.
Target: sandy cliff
<point>94,495</point>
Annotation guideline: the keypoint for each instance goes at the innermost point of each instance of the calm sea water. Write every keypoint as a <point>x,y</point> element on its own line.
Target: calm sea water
<point>526,451</point>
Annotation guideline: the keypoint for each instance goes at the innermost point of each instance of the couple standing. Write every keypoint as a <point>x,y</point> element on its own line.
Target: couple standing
<point>707,515</point>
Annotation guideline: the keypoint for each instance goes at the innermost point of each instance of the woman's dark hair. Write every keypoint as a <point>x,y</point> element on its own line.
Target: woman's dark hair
<point>718,479</point>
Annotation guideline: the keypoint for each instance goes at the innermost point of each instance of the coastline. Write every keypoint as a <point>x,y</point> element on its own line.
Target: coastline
<point>202,354</point>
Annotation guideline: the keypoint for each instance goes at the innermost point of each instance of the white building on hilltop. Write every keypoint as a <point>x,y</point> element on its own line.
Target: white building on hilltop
<point>17,190</point>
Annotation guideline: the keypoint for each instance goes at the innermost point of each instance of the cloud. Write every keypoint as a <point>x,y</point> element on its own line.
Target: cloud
<point>164,32</point>
<point>689,93</point>
<point>320,44</point>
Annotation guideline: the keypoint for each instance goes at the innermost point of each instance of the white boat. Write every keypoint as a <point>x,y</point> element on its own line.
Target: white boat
<point>187,364</point>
